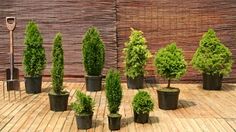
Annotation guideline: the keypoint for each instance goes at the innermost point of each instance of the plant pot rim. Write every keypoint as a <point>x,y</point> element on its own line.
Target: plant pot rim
<point>93,76</point>
<point>32,76</point>
<point>83,114</point>
<point>169,90</point>
<point>114,115</point>
<point>62,94</point>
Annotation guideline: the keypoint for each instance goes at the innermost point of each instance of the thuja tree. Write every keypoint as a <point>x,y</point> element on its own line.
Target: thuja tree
<point>93,52</point>
<point>136,54</point>
<point>170,62</point>
<point>34,59</point>
<point>212,57</point>
<point>57,71</point>
<point>113,91</point>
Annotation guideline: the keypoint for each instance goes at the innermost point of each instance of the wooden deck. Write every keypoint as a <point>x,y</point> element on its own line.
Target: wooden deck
<point>199,110</point>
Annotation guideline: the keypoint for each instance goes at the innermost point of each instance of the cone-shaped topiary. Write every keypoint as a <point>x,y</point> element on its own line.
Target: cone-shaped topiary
<point>136,54</point>
<point>57,64</point>
<point>212,57</point>
<point>113,91</point>
<point>93,52</point>
<point>170,62</point>
<point>142,103</point>
<point>34,54</point>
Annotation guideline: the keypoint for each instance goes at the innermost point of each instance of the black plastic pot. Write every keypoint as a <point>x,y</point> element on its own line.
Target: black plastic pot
<point>135,83</point>
<point>93,83</point>
<point>212,82</point>
<point>114,122</point>
<point>141,118</point>
<point>84,121</point>
<point>168,98</point>
<point>58,102</point>
<point>33,84</point>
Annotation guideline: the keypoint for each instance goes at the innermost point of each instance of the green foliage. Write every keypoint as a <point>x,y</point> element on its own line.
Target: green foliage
<point>34,54</point>
<point>170,62</point>
<point>57,64</point>
<point>212,57</point>
<point>113,90</point>
<point>84,104</point>
<point>136,54</point>
<point>142,102</point>
<point>93,52</point>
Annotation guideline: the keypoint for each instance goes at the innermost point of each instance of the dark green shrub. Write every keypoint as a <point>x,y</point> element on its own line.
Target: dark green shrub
<point>57,64</point>
<point>142,103</point>
<point>93,52</point>
<point>84,104</point>
<point>170,62</point>
<point>113,91</point>
<point>34,54</point>
<point>212,57</point>
<point>136,54</point>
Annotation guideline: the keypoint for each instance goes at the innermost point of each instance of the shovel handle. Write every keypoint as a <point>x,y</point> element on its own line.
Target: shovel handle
<point>11,23</point>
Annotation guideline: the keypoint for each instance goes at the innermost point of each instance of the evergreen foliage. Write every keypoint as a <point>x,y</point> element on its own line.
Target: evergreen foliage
<point>142,103</point>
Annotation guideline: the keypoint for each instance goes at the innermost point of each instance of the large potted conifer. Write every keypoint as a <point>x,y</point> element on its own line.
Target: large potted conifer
<point>136,56</point>
<point>170,64</point>
<point>213,60</point>
<point>113,91</point>
<point>34,59</point>
<point>57,96</point>
<point>93,59</point>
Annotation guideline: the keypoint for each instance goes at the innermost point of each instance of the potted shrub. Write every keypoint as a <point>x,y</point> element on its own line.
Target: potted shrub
<point>57,96</point>
<point>213,60</point>
<point>136,56</point>
<point>142,104</point>
<point>170,64</point>
<point>34,59</point>
<point>93,59</point>
<point>83,107</point>
<point>113,91</point>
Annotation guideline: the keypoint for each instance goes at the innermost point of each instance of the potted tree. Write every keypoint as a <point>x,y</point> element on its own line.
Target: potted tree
<point>57,96</point>
<point>93,59</point>
<point>170,64</point>
<point>213,60</point>
<point>136,56</point>
<point>34,59</point>
<point>83,107</point>
<point>113,91</point>
<point>142,104</point>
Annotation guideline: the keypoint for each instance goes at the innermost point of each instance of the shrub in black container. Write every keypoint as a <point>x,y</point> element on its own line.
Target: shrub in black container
<point>114,95</point>
<point>142,104</point>
<point>136,56</point>
<point>34,59</point>
<point>57,96</point>
<point>83,107</point>
<point>93,59</point>
<point>170,64</point>
<point>213,60</point>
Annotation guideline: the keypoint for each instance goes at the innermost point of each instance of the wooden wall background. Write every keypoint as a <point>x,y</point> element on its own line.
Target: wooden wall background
<point>162,21</point>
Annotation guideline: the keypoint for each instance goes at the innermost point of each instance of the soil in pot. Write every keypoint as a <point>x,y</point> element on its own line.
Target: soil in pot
<point>33,84</point>
<point>168,98</point>
<point>93,83</point>
<point>58,102</point>
<point>212,82</point>
<point>135,83</point>
<point>141,117</point>
<point>84,121</point>
<point>114,121</point>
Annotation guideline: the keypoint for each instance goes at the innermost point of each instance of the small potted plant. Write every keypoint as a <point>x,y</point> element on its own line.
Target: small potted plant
<point>83,107</point>
<point>93,59</point>
<point>142,104</point>
<point>58,97</point>
<point>170,64</point>
<point>34,58</point>
<point>136,56</point>
<point>113,91</point>
<point>213,60</point>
